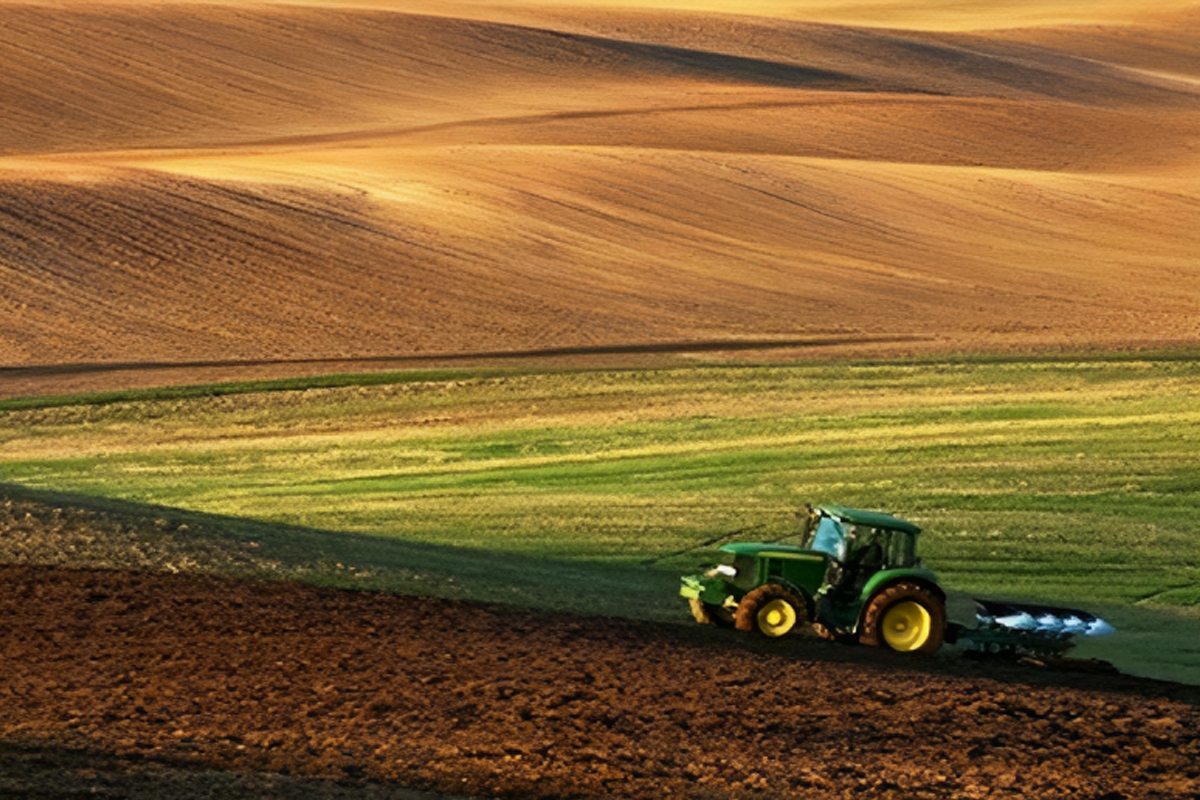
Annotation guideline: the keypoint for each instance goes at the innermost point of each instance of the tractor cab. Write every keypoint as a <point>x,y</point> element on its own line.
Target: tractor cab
<point>860,544</point>
<point>868,538</point>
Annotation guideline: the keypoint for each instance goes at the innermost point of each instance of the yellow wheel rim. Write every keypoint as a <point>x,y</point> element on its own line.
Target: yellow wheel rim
<point>776,618</point>
<point>906,626</point>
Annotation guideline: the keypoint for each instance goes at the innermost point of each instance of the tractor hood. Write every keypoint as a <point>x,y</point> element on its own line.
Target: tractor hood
<point>755,549</point>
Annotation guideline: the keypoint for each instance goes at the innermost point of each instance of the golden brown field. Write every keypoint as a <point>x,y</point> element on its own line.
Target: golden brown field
<point>186,182</point>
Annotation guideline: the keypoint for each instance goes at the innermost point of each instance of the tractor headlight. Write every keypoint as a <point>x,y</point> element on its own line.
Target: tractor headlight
<point>722,571</point>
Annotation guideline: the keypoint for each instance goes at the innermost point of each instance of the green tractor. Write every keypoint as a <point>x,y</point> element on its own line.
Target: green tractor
<point>857,578</point>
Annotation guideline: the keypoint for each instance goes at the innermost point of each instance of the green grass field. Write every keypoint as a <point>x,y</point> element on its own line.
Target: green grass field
<point>1074,482</point>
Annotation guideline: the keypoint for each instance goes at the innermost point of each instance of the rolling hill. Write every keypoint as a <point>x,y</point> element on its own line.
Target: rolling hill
<point>190,183</point>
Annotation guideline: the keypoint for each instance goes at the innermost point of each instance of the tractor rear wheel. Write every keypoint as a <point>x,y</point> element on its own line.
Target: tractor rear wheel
<point>772,610</point>
<point>907,618</point>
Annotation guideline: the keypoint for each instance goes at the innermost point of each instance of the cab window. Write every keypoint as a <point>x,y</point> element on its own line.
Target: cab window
<point>830,538</point>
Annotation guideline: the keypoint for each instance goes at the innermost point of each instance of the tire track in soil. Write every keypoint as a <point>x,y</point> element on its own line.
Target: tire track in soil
<point>197,672</point>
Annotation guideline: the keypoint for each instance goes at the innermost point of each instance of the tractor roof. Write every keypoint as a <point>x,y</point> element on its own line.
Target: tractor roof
<point>871,519</point>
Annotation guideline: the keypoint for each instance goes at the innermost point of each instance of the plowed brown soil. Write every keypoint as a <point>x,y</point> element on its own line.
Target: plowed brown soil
<point>189,183</point>
<point>178,675</point>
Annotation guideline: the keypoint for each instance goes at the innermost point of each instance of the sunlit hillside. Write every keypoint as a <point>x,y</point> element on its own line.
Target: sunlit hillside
<point>185,182</point>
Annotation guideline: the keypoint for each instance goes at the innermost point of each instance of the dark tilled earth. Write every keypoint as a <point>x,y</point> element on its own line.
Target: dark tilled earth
<point>169,686</point>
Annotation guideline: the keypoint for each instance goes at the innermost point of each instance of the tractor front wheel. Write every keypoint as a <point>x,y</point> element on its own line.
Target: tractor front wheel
<point>772,610</point>
<point>907,618</point>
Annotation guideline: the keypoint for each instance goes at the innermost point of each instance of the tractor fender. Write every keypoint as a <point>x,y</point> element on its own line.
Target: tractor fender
<point>886,577</point>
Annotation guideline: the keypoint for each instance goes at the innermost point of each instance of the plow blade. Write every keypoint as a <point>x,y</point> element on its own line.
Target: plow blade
<point>1040,619</point>
<point>1026,628</point>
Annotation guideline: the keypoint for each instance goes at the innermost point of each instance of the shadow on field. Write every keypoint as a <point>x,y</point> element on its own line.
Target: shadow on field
<point>39,527</point>
<point>74,530</point>
<point>640,348</point>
